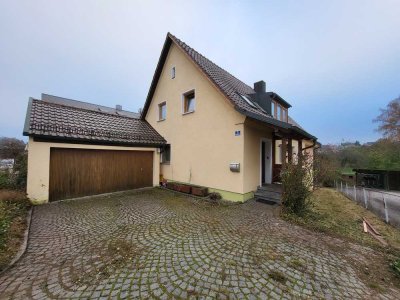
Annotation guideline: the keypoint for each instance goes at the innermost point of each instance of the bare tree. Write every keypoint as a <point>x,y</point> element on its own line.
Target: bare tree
<point>11,147</point>
<point>390,120</point>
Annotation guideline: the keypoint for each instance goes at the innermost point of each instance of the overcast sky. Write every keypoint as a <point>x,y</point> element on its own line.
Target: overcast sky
<point>336,62</point>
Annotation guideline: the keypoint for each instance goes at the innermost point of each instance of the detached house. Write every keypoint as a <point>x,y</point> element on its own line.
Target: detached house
<point>200,125</point>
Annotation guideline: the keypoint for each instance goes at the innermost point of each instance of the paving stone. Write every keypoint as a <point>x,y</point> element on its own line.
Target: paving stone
<point>156,244</point>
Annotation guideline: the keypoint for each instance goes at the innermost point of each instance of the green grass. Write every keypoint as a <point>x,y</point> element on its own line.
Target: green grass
<point>347,171</point>
<point>333,213</point>
<point>13,209</point>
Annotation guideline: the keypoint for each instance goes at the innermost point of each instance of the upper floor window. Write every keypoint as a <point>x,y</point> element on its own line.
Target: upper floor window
<point>189,102</point>
<point>279,112</point>
<point>173,72</point>
<point>162,111</point>
<point>284,115</point>
<point>273,108</point>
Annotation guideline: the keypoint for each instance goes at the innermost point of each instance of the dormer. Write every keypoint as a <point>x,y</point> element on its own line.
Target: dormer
<point>279,107</point>
<point>270,102</point>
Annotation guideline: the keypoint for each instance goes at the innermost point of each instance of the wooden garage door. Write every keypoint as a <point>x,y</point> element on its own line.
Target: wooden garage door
<point>81,172</point>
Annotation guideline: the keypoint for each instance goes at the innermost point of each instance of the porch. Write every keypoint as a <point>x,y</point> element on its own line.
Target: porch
<point>272,148</point>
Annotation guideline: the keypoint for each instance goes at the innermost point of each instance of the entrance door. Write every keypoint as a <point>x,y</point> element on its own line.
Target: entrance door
<point>266,161</point>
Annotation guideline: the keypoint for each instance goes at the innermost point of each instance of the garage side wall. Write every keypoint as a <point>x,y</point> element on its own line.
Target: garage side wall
<point>39,165</point>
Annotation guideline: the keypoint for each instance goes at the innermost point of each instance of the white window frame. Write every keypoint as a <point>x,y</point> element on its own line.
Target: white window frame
<point>173,72</point>
<point>161,104</point>
<point>184,99</point>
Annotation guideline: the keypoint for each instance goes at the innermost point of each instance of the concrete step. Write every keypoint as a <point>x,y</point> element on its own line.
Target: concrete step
<point>268,194</point>
<point>271,188</point>
<point>268,201</point>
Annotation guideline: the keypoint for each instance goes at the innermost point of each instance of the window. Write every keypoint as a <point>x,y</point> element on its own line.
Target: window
<point>162,111</point>
<point>166,154</point>
<point>279,112</point>
<point>273,109</point>
<point>284,115</point>
<point>173,72</point>
<point>189,102</point>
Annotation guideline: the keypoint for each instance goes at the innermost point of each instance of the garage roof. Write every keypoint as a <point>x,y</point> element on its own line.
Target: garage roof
<point>68,122</point>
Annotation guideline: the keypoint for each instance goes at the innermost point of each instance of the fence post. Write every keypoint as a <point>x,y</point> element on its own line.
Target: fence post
<point>386,210</point>
<point>341,186</point>
<point>355,193</point>
<point>347,189</point>
<point>365,198</point>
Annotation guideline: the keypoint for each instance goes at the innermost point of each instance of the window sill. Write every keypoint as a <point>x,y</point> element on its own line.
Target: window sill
<point>165,163</point>
<point>161,120</point>
<point>188,112</point>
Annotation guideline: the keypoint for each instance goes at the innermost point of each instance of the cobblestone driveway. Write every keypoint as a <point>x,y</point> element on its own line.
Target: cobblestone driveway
<point>156,244</point>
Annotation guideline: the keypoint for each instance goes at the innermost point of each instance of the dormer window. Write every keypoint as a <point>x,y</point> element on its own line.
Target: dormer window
<point>273,108</point>
<point>279,112</point>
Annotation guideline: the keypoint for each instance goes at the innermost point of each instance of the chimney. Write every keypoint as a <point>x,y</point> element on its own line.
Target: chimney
<point>260,86</point>
<point>118,107</point>
<point>261,96</point>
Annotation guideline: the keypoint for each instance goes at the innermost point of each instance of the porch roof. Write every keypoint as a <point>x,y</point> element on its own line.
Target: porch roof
<point>291,129</point>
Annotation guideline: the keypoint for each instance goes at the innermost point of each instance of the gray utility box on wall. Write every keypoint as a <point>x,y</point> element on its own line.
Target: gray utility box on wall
<point>234,167</point>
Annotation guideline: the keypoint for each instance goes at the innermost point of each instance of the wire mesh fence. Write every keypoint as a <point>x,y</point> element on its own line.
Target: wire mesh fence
<point>384,204</point>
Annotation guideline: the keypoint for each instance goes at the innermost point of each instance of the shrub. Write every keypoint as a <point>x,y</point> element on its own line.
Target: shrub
<point>297,181</point>
<point>15,179</point>
<point>396,267</point>
<point>215,196</point>
<point>4,180</point>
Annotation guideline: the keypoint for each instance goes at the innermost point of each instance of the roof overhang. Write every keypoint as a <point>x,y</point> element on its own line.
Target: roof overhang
<point>286,128</point>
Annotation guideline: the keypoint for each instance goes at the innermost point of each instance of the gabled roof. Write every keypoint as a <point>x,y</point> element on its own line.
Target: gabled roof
<point>225,82</point>
<point>69,121</point>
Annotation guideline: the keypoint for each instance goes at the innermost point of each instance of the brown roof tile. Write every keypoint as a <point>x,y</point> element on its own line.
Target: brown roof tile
<point>228,84</point>
<point>65,122</point>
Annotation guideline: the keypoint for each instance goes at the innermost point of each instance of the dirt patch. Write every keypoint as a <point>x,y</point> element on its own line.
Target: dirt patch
<point>104,261</point>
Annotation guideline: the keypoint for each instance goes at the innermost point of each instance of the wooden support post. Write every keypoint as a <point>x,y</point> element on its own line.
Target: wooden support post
<point>284,151</point>
<point>300,149</point>
<point>290,150</point>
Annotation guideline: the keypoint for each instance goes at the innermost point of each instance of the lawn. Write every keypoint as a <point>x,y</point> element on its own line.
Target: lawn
<point>13,210</point>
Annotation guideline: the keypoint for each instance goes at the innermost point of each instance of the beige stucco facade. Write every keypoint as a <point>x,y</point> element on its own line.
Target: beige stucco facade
<point>203,143</point>
<point>39,165</point>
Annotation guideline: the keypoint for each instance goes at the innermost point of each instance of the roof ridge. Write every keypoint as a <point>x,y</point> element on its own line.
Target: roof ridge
<point>192,49</point>
<point>84,109</point>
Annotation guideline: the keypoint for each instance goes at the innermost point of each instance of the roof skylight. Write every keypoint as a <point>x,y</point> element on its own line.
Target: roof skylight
<point>245,98</point>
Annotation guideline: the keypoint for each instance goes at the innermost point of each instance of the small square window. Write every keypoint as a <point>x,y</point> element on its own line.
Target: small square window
<point>173,72</point>
<point>162,111</point>
<point>189,102</point>
<point>166,154</point>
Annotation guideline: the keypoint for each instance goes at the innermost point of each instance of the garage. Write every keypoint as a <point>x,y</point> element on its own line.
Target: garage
<point>83,172</point>
<point>78,149</point>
